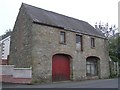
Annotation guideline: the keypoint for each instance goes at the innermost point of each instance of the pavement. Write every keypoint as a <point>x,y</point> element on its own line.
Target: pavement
<point>101,83</point>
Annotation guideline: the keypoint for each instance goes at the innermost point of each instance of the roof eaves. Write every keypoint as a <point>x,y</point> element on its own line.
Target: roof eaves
<point>41,23</point>
<point>76,31</point>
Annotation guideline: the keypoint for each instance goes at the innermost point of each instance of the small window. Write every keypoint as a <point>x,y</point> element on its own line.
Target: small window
<point>92,42</point>
<point>2,53</point>
<point>3,43</point>
<point>62,37</point>
<point>3,47</point>
<point>79,45</point>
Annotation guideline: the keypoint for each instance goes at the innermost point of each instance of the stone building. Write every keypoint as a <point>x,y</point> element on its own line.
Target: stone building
<point>57,47</point>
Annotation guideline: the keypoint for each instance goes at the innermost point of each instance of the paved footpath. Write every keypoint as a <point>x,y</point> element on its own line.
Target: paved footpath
<point>101,83</point>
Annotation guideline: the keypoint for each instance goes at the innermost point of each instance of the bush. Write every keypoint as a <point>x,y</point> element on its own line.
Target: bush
<point>113,75</point>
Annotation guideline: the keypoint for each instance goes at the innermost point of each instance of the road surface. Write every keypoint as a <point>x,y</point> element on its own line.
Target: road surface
<point>101,83</point>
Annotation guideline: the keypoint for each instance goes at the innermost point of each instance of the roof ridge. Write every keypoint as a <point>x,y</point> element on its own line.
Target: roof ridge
<point>53,12</point>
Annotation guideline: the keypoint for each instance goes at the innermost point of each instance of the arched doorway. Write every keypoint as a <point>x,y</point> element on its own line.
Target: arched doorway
<point>61,67</point>
<point>92,66</point>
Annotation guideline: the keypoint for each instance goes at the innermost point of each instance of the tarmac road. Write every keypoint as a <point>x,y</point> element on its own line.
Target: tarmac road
<point>101,83</point>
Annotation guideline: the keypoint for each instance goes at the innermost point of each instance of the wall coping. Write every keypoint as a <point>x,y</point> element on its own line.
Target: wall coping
<point>7,65</point>
<point>3,59</point>
<point>22,68</point>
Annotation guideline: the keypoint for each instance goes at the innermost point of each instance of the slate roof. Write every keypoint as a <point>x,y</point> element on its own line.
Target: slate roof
<point>50,18</point>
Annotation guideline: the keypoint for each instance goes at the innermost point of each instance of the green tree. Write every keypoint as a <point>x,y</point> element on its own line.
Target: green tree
<point>113,39</point>
<point>114,48</point>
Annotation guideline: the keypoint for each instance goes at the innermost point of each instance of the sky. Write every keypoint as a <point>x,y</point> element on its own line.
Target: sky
<point>91,11</point>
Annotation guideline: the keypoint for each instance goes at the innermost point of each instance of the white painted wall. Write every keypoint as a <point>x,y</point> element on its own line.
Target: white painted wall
<point>7,69</point>
<point>22,73</point>
<point>0,48</point>
<point>16,72</point>
<point>5,47</point>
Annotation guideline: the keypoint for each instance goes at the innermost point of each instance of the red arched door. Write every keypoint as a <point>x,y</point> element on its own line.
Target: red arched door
<point>60,68</point>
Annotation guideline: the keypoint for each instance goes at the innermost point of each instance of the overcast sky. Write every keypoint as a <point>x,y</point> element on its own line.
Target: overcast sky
<point>91,11</point>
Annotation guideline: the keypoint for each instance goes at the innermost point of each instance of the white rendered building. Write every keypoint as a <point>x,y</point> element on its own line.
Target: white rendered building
<point>5,46</point>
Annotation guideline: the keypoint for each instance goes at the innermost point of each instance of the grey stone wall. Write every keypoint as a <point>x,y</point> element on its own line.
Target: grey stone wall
<point>46,44</point>
<point>20,46</point>
<point>34,45</point>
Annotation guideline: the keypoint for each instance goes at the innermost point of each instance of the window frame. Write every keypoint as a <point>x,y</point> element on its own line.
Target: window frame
<point>81,41</point>
<point>63,36</point>
<point>92,63</point>
<point>92,42</point>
